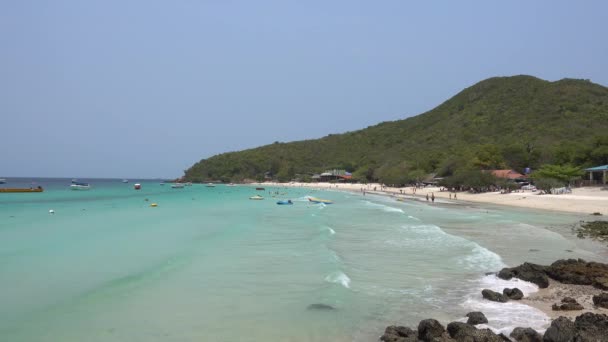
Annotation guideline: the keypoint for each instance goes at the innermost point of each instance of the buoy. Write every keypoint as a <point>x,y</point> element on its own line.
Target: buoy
<point>51,211</point>
<point>154,205</point>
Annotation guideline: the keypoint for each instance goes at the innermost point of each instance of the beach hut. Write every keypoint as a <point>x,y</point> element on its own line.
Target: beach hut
<point>598,174</point>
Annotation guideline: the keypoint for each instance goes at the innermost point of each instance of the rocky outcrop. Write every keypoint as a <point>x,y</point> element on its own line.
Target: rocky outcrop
<point>494,296</point>
<point>570,271</point>
<point>579,272</point>
<point>601,300</point>
<point>526,335</point>
<point>567,304</point>
<point>561,330</point>
<point>431,330</point>
<point>463,332</point>
<point>476,317</point>
<point>399,334</point>
<point>591,327</point>
<point>528,272</point>
<point>513,293</point>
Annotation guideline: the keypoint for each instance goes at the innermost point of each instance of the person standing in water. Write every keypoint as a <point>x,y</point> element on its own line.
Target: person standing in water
<point>432,197</point>
<point>427,197</point>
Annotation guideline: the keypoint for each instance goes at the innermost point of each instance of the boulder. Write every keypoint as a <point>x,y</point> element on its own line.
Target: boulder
<point>601,300</point>
<point>399,334</point>
<point>476,317</point>
<point>494,296</point>
<point>513,293</point>
<point>528,272</point>
<point>579,272</point>
<point>526,335</point>
<point>462,332</point>
<point>591,327</point>
<point>561,330</point>
<point>568,304</point>
<point>430,329</point>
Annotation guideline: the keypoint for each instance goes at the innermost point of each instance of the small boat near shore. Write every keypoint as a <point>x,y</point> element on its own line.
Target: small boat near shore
<point>125,181</point>
<point>177,185</point>
<point>256,197</point>
<point>38,189</point>
<point>260,189</point>
<point>79,185</point>
<point>210,185</point>
<point>283,202</point>
<point>319,200</point>
<point>2,181</point>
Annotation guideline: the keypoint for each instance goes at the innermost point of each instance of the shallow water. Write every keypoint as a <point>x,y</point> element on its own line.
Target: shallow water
<point>209,264</point>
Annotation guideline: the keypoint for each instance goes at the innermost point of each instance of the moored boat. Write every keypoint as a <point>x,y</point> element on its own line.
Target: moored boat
<point>260,189</point>
<point>319,200</point>
<point>256,197</point>
<point>125,181</point>
<point>2,180</point>
<point>210,185</point>
<point>283,202</point>
<point>79,185</point>
<point>137,186</point>
<point>177,185</point>
<point>38,189</point>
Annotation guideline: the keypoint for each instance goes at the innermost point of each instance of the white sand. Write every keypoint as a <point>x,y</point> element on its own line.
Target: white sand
<point>585,200</point>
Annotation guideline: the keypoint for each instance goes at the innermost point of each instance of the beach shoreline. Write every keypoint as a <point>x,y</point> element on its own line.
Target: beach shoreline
<point>585,200</point>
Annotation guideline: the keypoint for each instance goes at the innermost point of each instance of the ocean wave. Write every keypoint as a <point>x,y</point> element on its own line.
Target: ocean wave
<point>482,258</point>
<point>338,277</point>
<point>413,218</point>
<point>504,317</point>
<point>384,207</point>
<point>328,229</point>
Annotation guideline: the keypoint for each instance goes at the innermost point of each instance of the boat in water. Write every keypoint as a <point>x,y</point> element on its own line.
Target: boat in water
<point>256,197</point>
<point>230,184</point>
<point>37,189</point>
<point>125,181</point>
<point>260,189</point>
<point>2,181</point>
<point>210,185</point>
<point>319,200</point>
<point>79,185</point>
<point>177,185</point>
<point>137,186</point>
<point>288,202</point>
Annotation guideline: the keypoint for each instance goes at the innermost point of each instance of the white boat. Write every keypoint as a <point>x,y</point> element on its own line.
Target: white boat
<point>189,184</point>
<point>80,186</point>
<point>177,185</point>
<point>256,197</point>
<point>2,180</point>
<point>231,184</point>
<point>125,181</point>
<point>210,185</point>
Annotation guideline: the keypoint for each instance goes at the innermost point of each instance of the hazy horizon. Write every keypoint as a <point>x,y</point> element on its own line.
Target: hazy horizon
<point>146,89</point>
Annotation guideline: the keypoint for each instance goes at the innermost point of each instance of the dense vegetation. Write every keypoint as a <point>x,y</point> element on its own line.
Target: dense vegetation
<point>502,122</point>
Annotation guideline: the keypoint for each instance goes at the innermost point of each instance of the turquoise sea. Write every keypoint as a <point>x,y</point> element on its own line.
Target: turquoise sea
<point>208,264</point>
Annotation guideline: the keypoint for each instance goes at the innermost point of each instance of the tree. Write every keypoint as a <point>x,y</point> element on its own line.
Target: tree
<point>562,173</point>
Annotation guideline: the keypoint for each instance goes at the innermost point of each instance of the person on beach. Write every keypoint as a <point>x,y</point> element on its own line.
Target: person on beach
<point>454,195</point>
<point>450,195</point>
<point>432,197</point>
<point>427,197</point>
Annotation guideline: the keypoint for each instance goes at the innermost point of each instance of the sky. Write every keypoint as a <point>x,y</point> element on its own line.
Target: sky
<point>144,89</point>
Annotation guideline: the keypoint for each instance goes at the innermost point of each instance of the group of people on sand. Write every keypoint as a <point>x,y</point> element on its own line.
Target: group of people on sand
<point>432,197</point>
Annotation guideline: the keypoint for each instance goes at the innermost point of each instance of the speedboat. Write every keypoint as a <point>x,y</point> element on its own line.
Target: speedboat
<point>283,202</point>
<point>79,185</point>
<point>210,185</point>
<point>137,186</point>
<point>2,180</point>
<point>230,184</point>
<point>177,185</point>
<point>319,200</point>
<point>256,197</point>
<point>125,181</point>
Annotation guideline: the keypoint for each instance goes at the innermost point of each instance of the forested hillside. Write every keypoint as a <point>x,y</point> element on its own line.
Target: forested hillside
<point>502,122</point>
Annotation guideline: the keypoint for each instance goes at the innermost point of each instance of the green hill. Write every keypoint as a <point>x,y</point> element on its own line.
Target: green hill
<point>501,122</point>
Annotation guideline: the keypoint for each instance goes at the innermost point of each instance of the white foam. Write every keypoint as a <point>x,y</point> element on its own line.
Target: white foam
<point>338,277</point>
<point>330,230</point>
<point>413,218</point>
<point>384,207</point>
<point>482,259</point>
<point>504,317</point>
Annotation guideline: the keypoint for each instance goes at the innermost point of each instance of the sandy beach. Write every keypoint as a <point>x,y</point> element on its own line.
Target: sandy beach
<point>586,200</point>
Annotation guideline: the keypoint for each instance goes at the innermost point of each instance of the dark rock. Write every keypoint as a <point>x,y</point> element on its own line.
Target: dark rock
<point>494,296</point>
<point>579,272</point>
<point>476,317</point>
<point>526,335</point>
<point>528,272</point>
<point>399,334</point>
<point>591,327</point>
<point>430,329</point>
<point>601,300</point>
<point>514,293</point>
<point>561,330</point>
<point>567,307</point>
<point>462,332</point>
<point>569,300</point>
<point>320,306</point>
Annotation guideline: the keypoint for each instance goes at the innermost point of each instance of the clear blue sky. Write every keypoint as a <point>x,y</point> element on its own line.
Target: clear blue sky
<point>146,88</point>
